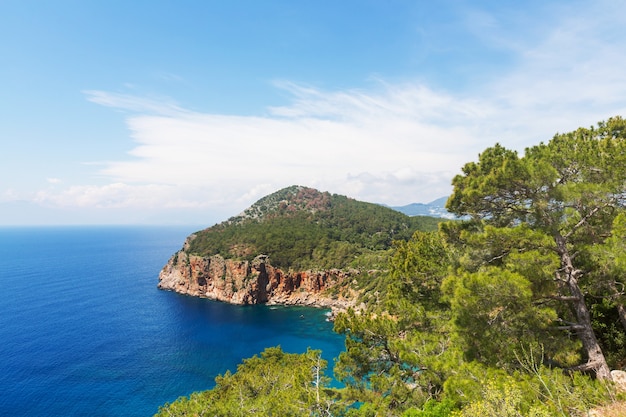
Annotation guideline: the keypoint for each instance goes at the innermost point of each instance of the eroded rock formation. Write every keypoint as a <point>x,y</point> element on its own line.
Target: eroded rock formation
<point>254,282</point>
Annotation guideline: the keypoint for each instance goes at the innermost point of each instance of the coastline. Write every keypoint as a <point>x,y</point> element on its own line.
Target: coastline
<point>256,282</point>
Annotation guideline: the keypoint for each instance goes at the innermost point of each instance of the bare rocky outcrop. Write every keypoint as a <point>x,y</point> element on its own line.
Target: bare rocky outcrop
<point>619,378</point>
<point>255,282</point>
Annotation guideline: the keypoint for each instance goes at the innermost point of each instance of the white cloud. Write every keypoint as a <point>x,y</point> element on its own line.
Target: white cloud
<point>328,140</point>
<point>395,143</point>
<point>570,77</point>
<point>158,105</point>
<point>10,195</point>
<point>121,195</point>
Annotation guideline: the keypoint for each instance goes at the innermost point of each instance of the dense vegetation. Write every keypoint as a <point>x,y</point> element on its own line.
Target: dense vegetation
<point>272,384</point>
<point>516,311</point>
<point>300,227</point>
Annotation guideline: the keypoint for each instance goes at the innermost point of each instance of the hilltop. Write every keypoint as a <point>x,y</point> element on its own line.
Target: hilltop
<point>302,227</point>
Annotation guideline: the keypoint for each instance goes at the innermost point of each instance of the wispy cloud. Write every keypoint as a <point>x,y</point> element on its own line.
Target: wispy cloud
<point>569,77</point>
<point>333,140</point>
<point>158,105</point>
<point>121,195</point>
<point>394,143</point>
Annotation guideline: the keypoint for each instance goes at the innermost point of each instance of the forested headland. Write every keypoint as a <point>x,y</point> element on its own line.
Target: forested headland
<point>516,310</point>
<point>300,227</point>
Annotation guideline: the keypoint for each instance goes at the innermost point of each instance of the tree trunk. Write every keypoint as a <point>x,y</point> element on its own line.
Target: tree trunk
<point>621,310</point>
<point>595,357</point>
<point>596,361</point>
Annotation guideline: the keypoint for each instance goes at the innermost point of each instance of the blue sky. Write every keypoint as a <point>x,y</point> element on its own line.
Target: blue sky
<point>186,112</point>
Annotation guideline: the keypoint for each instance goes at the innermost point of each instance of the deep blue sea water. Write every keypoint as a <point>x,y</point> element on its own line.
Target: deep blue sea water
<point>84,330</point>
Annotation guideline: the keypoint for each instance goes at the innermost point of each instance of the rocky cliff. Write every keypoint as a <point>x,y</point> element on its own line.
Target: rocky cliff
<point>254,282</point>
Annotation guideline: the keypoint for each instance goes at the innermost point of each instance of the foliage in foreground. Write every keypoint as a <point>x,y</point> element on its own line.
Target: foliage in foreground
<point>272,384</point>
<point>518,311</point>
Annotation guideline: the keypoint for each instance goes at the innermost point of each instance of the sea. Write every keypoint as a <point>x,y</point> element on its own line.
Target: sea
<point>84,331</point>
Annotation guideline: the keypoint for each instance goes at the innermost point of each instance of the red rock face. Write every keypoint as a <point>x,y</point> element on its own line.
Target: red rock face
<point>255,282</point>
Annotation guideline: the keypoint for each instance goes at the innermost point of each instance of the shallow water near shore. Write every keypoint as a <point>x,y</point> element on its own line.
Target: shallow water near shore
<point>85,331</point>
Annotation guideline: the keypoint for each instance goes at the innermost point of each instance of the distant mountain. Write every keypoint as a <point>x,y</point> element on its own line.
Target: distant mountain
<point>436,208</point>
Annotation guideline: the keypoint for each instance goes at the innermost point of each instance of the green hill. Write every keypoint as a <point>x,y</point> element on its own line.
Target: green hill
<point>300,227</point>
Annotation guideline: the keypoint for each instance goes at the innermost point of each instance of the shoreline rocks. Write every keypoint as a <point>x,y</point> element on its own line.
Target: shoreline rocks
<point>256,282</point>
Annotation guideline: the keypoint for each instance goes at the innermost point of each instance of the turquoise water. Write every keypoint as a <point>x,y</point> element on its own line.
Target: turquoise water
<point>85,331</point>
